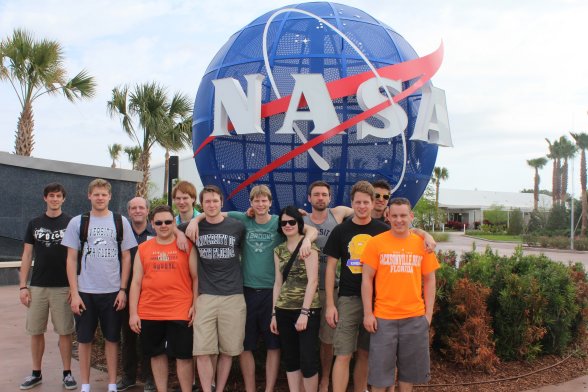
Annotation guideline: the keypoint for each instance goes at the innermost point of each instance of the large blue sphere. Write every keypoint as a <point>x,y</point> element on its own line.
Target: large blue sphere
<point>299,43</point>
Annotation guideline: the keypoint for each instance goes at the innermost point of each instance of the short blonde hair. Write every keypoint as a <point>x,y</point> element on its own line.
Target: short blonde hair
<point>363,187</point>
<point>260,190</point>
<point>99,183</point>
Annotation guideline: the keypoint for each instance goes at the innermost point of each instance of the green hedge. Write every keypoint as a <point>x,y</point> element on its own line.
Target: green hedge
<point>536,306</point>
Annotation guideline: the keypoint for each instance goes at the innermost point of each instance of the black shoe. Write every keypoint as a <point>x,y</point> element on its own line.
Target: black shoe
<point>125,384</point>
<point>69,382</point>
<point>31,381</point>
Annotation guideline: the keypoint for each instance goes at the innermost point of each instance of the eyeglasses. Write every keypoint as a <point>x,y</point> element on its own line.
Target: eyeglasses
<point>166,222</point>
<point>385,196</point>
<point>291,222</point>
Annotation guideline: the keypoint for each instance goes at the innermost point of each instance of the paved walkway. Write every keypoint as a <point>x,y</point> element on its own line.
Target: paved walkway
<point>15,357</point>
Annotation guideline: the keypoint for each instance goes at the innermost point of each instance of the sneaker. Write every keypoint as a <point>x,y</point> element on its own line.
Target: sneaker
<point>69,382</point>
<point>149,386</point>
<point>31,381</point>
<point>125,384</point>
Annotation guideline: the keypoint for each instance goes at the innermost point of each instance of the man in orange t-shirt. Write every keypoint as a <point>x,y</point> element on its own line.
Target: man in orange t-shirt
<point>161,304</point>
<point>396,263</point>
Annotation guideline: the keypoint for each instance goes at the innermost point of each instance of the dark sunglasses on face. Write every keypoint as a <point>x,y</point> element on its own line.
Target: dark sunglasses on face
<point>385,197</point>
<point>291,222</point>
<point>167,222</point>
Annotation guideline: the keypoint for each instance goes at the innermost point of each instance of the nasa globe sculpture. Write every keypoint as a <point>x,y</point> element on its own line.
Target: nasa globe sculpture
<point>318,91</point>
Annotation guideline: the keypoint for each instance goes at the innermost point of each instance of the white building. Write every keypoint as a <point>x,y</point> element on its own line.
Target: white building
<point>468,206</point>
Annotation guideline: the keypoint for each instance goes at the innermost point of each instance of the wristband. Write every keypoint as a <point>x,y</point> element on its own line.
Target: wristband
<point>305,312</point>
<point>24,288</point>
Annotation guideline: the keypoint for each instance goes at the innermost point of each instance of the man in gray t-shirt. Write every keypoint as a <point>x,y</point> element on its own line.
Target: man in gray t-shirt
<point>96,290</point>
<point>219,326</point>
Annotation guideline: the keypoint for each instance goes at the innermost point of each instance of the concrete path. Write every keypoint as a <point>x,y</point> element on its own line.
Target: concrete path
<point>461,243</point>
<point>15,355</point>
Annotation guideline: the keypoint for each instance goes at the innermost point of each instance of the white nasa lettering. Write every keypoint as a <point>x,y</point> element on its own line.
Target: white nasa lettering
<point>393,117</point>
<point>320,107</point>
<point>244,110</point>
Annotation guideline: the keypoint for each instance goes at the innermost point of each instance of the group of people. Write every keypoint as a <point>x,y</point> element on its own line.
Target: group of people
<point>336,281</point>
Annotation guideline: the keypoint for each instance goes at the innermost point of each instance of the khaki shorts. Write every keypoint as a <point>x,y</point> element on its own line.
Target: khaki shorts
<point>219,325</point>
<point>45,300</point>
<point>350,333</point>
<point>326,333</point>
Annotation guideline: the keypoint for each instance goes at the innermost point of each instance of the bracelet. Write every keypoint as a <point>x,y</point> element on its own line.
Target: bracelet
<point>123,289</point>
<point>24,288</point>
<point>273,314</point>
<point>305,312</point>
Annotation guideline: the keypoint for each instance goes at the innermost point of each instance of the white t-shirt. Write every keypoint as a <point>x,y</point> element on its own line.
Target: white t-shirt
<point>100,269</point>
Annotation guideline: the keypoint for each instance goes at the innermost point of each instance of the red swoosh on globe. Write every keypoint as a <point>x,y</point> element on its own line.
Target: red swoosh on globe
<point>423,68</point>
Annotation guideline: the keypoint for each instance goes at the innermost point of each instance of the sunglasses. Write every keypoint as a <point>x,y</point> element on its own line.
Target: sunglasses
<point>166,222</point>
<point>385,197</point>
<point>291,222</point>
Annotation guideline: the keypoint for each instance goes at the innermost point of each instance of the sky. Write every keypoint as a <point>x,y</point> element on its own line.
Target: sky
<point>514,73</point>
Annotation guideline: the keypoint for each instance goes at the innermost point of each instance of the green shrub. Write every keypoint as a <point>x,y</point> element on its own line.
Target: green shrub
<point>440,237</point>
<point>516,222</point>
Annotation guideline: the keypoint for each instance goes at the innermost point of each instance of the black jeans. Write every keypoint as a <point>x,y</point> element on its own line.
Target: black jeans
<point>299,349</point>
<point>130,351</point>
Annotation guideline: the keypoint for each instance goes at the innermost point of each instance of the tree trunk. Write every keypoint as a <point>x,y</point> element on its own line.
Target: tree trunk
<point>536,191</point>
<point>23,145</point>
<point>437,181</point>
<point>142,187</point>
<point>584,196</point>
<point>554,177</point>
<point>166,173</point>
<point>564,182</point>
<point>113,164</point>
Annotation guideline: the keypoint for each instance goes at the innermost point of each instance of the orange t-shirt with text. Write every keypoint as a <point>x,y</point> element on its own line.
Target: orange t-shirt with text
<point>399,265</point>
<point>166,289</point>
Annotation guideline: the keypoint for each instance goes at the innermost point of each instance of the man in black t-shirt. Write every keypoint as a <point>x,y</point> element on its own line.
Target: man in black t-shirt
<point>345,245</point>
<point>49,288</point>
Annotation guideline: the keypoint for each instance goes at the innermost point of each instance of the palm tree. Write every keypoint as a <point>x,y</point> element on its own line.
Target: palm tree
<point>147,115</point>
<point>178,137</point>
<point>133,154</point>
<point>554,155</point>
<point>582,144</point>
<point>114,151</point>
<point>537,164</point>
<point>567,150</point>
<point>439,174</point>
<point>35,68</point>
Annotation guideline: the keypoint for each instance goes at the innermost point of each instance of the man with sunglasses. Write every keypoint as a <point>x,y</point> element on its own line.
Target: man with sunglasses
<point>162,270</point>
<point>382,195</point>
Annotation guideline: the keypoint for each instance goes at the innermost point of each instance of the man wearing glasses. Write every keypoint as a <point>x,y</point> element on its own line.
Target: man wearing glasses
<point>382,195</point>
<point>162,270</point>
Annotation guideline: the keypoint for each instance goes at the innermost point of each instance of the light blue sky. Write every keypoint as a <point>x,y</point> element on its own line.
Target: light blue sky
<point>514,72</point>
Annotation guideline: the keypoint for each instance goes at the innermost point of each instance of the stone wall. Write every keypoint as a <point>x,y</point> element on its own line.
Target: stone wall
<point>23,180</point>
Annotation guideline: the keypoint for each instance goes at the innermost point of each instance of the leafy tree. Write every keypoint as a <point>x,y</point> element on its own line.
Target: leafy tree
<point>537,164</point>
<point>567,150</point>
<point>147,115</point>
<point>114,151</point>
<point>35,68</point>
<point>516,222</point>
<point>439,174</point>
<point>133,154</point>
<point>558,219</point>
<point>177,138</point>
<point>424,210</point>
<point>582,144</point>
<point>554,155</point>
<point>496,215</point>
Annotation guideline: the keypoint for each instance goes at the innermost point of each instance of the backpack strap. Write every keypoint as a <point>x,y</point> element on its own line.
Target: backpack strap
<point>84,225</point>
<point>118,225</point>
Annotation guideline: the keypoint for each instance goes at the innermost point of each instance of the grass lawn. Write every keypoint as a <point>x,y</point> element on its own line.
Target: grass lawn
<point>496,237</point>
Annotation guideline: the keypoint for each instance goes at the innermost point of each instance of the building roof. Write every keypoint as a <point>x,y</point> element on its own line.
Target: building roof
<point>483,200</point>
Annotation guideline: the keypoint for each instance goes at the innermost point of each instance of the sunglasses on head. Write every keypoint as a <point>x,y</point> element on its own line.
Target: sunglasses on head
<point>166,222</point>
<point>385,197</point>
<point>291,222</point>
